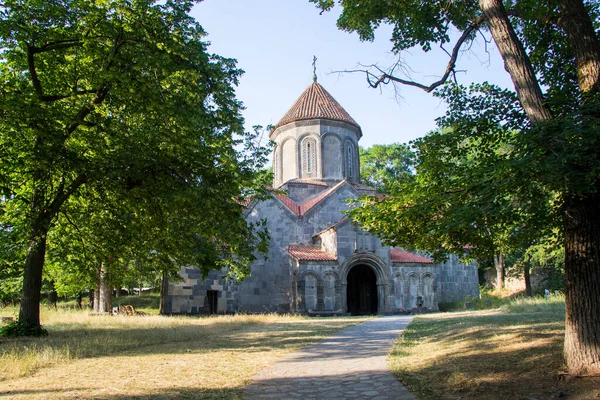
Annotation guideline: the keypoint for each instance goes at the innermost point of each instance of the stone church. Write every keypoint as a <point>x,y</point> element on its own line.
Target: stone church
<point>319,262</point>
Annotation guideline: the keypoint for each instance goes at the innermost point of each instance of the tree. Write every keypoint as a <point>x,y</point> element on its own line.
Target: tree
<point>109,106</point>
<point>385,165</point>
<point>552,53</point>
<point>463,199</point>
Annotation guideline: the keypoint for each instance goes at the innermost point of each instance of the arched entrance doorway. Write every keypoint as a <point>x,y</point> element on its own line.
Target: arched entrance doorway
<point>361,291</point>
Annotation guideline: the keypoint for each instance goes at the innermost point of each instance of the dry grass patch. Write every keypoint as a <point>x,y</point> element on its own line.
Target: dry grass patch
<point>104,357</point>
<point>510,353</point>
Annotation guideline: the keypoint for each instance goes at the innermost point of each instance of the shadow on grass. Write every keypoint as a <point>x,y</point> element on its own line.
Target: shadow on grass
<point>166,393</point>
<point>71,343</point>
<point>491,356</point>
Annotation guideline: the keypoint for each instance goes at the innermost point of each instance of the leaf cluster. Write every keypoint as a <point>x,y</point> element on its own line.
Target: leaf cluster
<point>120,135</point>
<point>467,197</point>
<point>386,166</point>
<point>19,329</point>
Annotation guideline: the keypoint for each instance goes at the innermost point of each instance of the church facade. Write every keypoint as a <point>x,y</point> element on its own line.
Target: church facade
<point>319,261</point>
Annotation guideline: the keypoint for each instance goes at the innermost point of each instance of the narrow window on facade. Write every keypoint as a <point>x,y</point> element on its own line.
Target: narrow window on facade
<point>349,161</point>
<point>309,157</point>
<point>275,166</point>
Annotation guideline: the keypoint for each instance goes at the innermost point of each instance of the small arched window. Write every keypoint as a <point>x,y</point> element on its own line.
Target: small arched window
<point>275,165</point>
<point>309,157</point>
<point>349,160</point>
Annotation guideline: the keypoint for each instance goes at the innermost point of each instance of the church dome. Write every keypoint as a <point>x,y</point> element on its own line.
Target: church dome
<point>315,141</point>
<point>316,103</point>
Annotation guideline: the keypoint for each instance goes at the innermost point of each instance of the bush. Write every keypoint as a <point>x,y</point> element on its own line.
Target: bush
<point>553,304</point>
<point>18,328</point>
<point>486,300</point>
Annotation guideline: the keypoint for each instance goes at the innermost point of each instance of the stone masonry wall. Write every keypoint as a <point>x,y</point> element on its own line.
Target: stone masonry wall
<point>457,280</point>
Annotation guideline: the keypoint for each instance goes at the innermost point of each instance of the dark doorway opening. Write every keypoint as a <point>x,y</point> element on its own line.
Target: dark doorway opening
<point>213,296</point>
<point>361,291</point>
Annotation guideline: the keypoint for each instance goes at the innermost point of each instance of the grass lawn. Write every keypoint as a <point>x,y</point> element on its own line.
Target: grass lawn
<point>514,352</point>
<point>119,357</point>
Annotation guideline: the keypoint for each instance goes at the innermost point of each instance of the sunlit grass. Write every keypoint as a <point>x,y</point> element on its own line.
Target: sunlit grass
<point>161,357</point>
<point>511,352</point>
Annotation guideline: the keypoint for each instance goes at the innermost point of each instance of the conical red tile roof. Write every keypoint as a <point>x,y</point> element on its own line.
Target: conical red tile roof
<point>315,102</point>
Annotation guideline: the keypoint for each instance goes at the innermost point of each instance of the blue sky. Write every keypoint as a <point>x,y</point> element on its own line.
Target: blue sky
<point>274,42</point>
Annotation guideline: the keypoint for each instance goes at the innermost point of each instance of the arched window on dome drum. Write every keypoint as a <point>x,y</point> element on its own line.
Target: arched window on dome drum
<point>349,160</point>
<point>276,165</point>
<point>309,157</point>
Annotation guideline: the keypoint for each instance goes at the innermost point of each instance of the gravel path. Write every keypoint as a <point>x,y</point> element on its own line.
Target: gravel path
<point>350,365</point>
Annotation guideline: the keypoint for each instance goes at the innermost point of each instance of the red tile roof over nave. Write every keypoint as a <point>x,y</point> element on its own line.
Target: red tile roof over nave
<point>402,256</point>
<point>309,253</point>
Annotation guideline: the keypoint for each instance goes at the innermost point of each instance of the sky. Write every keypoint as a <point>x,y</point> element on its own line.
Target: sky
<point>274,42</point>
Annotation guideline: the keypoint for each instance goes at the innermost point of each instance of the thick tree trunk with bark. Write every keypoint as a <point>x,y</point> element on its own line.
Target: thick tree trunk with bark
<point>499,264</point>
<point>42,215</point>
<point>103,295</point>
<point>580,212</point>
<point>164,291</point>
<point>581,219</point>
<point>516,60</point>
<point>29,311</point>
<point>527,277</point>
<point>576,22</point>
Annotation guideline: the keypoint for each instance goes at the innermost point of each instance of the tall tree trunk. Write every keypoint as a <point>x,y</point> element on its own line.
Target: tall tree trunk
<point>576,22</point>
<point>80,300</point>
<point>581,219</point>
<point>516,61</point>
<point>164,291</point>
<point>499,263</point>
<point>527,277</point>
<point>103,295</point>
<point>29,311</point>
<point>42,216</point>
<point>52,295</point>
<point>579,212</point>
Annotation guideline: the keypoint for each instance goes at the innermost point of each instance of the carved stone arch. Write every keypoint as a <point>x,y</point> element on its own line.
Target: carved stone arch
<point>303,274</point>
<point>313,135</point>
<point>294,293</point>
<point>380,269</point>
<point>350,157</point>
<point>335,275</point>
<point>413,281</point>
<point>428,274</point>
<point>399,291</point>
<point>288,158</point>
<point>309,155</point>
<point>428,288</point>
<point>277,165</point>
<point>332,156</point>
<point>310,286</point>
<point>330,292</point>
<point>325,134</point>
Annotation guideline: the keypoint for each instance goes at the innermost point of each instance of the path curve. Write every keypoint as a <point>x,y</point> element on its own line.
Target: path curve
<point>349,365</point>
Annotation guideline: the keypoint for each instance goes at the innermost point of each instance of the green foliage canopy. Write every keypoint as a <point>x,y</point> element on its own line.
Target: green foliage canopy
<point>119,133</point>
<point>385,165</point>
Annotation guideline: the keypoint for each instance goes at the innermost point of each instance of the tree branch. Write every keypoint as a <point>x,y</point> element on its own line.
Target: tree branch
<point>63,195</point>
<point>32,71</point>
<point>59,44</point>
<point>85,110</point>
<point>385,77</point>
